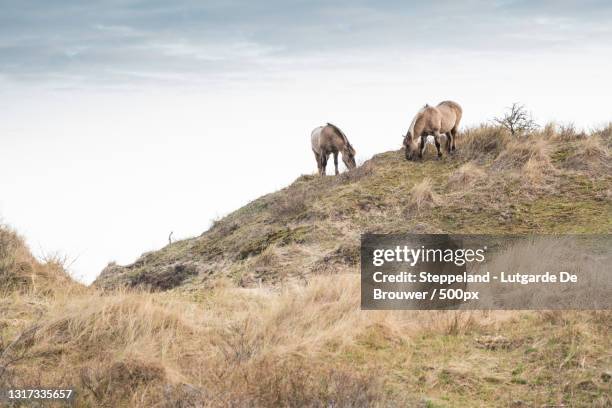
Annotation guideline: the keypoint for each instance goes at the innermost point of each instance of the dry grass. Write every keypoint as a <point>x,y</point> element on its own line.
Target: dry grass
<point>565,132</point>
<point>518,185</point>
<point>423,196</point>
<point>482,142</point>
<point>466,176</point>
<point>300,339</point>
<point>565,253</point>
<point>268,257</point>
<point>304,346</point>
<point>518,153</point>
<point>293,204</point>
<point>16,263</point>
<point>358,173</point>
<point>591,155</point>
<point>250,348</point>
<point>20,271</point>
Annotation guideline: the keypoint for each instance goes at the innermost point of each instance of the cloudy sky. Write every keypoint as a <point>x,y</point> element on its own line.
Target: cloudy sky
<point>121,121</point>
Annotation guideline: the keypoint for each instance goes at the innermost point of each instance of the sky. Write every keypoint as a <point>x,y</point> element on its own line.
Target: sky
<point>123,121</point>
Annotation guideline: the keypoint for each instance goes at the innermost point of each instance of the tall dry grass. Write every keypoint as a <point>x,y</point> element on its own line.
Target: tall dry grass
<point>20,271</point>
<point>423,196</point>
<point>466,176</point>
<point>562,253</point>
<point>482,142</point>
<point>299,344</point>
<point>236,347</point>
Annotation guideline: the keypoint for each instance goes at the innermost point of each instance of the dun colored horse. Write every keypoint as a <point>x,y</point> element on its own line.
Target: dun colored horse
<point>328,140</point>
<point>433,121</point>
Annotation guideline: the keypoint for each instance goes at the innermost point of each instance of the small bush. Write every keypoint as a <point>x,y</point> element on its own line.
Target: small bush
<point>517,120</point>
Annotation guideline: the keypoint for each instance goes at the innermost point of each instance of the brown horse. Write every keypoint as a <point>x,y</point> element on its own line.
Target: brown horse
<point>433,121</point>
<point>328,140</point>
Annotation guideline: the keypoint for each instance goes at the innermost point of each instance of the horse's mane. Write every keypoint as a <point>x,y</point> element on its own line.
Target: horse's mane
<point>411,128</point>
<point>341,134</point>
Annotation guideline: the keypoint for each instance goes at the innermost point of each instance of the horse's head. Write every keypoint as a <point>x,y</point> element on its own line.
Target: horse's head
<point>411,149</point>
<point>348,156</point>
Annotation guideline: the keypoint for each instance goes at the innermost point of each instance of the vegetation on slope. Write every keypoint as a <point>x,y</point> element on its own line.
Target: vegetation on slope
<point>554,181</point>
<point>263,309</point>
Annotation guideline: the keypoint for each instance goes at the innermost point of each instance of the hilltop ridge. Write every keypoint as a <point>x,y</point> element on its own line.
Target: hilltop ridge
<point>553,181</point>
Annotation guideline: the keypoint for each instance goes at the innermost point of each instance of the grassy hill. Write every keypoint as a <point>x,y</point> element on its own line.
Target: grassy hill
<point>263,309</point>
<point>551,182</point>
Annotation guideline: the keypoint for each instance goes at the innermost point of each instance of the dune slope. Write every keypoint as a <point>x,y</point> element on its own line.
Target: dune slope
<point>263,309</point>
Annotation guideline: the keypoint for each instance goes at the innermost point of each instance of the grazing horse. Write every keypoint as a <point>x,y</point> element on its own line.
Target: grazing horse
<point>328,140</point>
<point>433,121</point>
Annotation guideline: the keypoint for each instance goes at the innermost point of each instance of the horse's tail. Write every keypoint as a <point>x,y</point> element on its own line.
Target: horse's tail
<point>342,135</point>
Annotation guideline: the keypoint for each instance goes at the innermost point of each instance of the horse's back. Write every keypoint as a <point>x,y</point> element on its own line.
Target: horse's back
<point>451,113</point>
<point>452,106</point>
<point>428,118</point>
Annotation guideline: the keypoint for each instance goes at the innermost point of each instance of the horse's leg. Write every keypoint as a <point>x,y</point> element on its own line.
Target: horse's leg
<point>454,132</point>
<point>318,159</point>
<point>324,157</point>
<point>336,162</point>
<point>449,141</point>
<point>437,136</point>
<point>421,147</point>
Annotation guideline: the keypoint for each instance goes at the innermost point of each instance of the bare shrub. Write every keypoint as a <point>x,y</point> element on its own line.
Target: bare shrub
<point>422,196</point>
<point>517,120</point>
